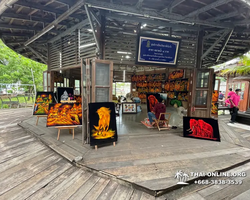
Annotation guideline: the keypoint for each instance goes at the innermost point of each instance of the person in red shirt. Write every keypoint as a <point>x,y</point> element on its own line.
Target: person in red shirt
<point>158,108</point>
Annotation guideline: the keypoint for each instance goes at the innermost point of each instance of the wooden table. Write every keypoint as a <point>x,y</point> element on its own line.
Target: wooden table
<point>66,127</point>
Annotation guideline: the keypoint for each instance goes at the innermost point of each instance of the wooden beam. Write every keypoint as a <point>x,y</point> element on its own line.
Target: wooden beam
<point>150,21</point>
<point>29,18</point>
<point>94,15</point>
<point>19,27</point>
<point>175,3</point>
<point>41,7</point>
<point>216,42</point>
<point>37,54</point>
<point>139,4</point>
<point>214,34</point>
<point>224,16</point>
<point>154,14</point>
<point>208,7</point>
<point>70,30</point>
<point>78,5</point>
<point>5,4</point>
<point>199,49</point>
<point>225,44</point>
<point>92,27</point>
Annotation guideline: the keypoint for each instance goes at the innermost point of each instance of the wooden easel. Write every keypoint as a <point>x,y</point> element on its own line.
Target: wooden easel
<point>66,127</point>
<point>96,146</point>
<point>38,116</point>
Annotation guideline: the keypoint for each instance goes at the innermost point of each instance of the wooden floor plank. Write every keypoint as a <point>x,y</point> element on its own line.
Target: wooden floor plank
<point>136,195</point>
<point>146,196</point>
<point>55,192</point>
<point>122,193</point>
<point>194,196</point>
<point>43,192</point>
<point>85,188</point>
<point>17,144</point>
<point>22,158</point>
<point>12,153</point>
<point>97,189</point>
<point>30,186</point>
<point>244,196</point>
<point>72,185</point>
<point>28,164</point>
<point>24,174</point>
<point>108,191</point>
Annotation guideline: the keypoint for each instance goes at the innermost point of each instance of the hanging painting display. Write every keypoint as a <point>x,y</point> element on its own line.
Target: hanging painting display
<point>63,93</point>
<point>43,99</point>
<point>64,114</point>
<point>129,108</point>
<point>102,122</point>
<point>152,100</point>
<point>204,128</point>
<point>176,74</point>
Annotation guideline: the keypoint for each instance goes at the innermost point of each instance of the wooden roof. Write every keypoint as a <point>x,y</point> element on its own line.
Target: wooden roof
<point>225,25</point>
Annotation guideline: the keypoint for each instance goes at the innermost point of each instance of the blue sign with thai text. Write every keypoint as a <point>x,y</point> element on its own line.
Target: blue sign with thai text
<point>157,51</point>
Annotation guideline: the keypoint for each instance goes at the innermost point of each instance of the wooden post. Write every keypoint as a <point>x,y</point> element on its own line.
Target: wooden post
<point>199,50</point>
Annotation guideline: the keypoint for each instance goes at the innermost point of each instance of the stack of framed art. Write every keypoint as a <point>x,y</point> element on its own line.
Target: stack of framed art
<point>102,123</point>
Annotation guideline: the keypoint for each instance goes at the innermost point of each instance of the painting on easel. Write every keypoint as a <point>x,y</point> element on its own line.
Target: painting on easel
<point>64,114</point>
<point>102,121</point>
<point>43,99</point>
<point>203,128</point>
<point>63,93</point>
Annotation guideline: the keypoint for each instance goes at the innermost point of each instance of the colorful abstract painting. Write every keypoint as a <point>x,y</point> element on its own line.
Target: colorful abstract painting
<point>63,93</point>
<point>204,128</point>
<point>102,121</point>
<point>64,114</point>
<point>43,99</point>
<point>129,108</point>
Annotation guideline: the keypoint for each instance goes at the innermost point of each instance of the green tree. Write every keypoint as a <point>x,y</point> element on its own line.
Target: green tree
<point>15,67</point>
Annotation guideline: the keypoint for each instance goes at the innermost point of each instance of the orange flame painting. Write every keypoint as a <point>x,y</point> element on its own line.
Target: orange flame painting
<point>102,130</point>
<point>64,114</point>
<point>43,99</point>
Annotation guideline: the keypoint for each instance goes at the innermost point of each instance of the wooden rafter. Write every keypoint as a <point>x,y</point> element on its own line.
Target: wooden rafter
<point>57,21</point>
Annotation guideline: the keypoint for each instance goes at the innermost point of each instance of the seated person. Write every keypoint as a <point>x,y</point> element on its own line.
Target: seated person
<point>158,108</point>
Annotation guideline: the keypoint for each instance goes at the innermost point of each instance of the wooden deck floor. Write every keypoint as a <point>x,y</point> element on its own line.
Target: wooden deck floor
<point>147,158</point>
<point>31,170</point>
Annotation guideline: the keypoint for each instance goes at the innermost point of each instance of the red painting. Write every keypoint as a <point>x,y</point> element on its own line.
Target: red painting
<point>205,128</point>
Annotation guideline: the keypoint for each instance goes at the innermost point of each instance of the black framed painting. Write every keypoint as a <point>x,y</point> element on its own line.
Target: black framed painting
<point>129,108</point>
<point>202,128</point>
<point>64,114</point>
<point>43,99</point>
<point>63,93</point>
<point>102,123</point>
<point>152,100</point>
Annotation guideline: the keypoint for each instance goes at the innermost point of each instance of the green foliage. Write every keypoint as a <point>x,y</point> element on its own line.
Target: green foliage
<point>175,101</point>
<point>14,68</point>
<point>244,69</point>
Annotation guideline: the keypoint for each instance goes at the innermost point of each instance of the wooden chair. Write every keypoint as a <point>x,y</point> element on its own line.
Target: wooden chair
<point>163,121</point>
